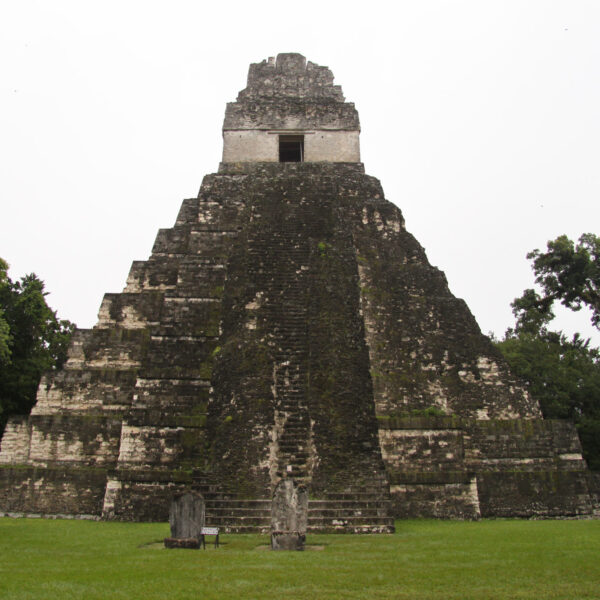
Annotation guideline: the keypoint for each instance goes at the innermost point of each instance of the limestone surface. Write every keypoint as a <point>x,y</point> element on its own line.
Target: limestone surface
<point>186,516</point>
<point>288,326</point>
<point>289,516</point>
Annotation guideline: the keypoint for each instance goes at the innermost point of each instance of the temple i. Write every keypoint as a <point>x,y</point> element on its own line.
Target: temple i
<point>289,327</point>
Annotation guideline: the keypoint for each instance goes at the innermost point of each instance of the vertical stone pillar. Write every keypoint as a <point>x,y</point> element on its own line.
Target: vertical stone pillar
<point>186,518</point>
<point>289,516</point>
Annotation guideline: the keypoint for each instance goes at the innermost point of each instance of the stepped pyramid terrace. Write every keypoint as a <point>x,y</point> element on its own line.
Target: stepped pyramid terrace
<point>288,326</point>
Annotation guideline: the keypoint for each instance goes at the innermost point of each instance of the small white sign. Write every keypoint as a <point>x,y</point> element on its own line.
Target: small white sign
<point>210,531</point>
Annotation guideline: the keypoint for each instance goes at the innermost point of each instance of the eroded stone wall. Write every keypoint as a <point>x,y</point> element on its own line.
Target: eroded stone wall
<point>289,95</point>
<point>454,467</point>
<point>426,349</point>
<point>263,146</point>
<point>289,326</point>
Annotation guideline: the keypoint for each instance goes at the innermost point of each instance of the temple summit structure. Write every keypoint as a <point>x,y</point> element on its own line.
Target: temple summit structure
<point>288,326</point>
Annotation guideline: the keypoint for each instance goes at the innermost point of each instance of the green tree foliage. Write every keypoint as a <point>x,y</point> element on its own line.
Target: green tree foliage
<point>564,376</point>
<point>32,340</point>
<point>566,272</point>
<point>563,373</point>
<point>4,328</point>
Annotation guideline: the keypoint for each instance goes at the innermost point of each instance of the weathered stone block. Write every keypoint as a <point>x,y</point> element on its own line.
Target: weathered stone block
<point>186,516</point>
<point>534,494</point>
<point>289,516</point>
<point>86,440</point>
<point>142,497</point>
<point>435,501</point>
<point>51,490</point>
<point>15,441</point>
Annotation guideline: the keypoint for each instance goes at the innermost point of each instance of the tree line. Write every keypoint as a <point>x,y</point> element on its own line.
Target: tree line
<point>33,340</point>
<point>563,372</point>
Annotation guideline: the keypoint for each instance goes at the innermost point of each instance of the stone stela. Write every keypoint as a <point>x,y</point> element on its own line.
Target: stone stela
<point>186,520</point>
<point>289,327</point>
<point>289,516</point>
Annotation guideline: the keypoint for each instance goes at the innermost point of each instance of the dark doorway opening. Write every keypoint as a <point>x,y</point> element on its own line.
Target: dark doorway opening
<point>291,148</point>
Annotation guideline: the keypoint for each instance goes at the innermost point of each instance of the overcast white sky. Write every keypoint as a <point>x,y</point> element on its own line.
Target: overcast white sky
<point>481,119</point>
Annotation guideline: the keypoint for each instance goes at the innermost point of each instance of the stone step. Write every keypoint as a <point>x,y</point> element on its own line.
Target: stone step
<point>295,434</point>
<point>244,521</point>
<point>295,451</point>
<point>374,494</point>
<point>352,528</point>
<point>297,321</point>
<point>296,413</point>
<point>348,520</point>
<point>290,330</point>
<point>347,504</point>
<point>290,459</point>
<point>235,512</point>
<point>371,513</point>
<point>298,468</point>
<point>289,448</point>
<point>301,476</point>
<point>343,524</point>
<point>293,442</point>
<point>224,506</point>
<point>261,504</point>
<point>294,401</point>
<point>295,329</point>
<point>358,529</point>
<point>262,528</point>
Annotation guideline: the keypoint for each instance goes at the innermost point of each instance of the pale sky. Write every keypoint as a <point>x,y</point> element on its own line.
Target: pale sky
<point>480,118</point>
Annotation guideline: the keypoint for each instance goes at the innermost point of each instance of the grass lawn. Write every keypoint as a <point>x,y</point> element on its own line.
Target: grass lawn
<point>43,559</point>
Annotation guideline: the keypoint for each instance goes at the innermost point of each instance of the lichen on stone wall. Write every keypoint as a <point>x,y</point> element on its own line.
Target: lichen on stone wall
<point>289,327</point>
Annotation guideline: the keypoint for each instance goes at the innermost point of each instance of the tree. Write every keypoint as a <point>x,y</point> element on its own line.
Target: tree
<point>563,374</point>
<point>568,273</point>
<point>564,377</point>
<point>4,328</point>
<point>32,340</point>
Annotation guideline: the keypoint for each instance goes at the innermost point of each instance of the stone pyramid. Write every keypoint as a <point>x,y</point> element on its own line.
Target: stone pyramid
<point>288,326</point>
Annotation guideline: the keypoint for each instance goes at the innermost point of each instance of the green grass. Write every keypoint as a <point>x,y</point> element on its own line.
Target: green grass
<point>43,559</point>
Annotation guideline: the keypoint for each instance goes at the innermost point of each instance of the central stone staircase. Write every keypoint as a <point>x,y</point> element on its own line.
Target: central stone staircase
<point>278,260</point>
<point>362,510</point>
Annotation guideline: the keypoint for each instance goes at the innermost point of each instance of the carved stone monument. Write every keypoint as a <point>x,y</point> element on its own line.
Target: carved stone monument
<point>289,516</point>
<point>186,518</point>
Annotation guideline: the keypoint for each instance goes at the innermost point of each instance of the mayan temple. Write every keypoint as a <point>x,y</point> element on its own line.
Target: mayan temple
<point>288,326</point>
